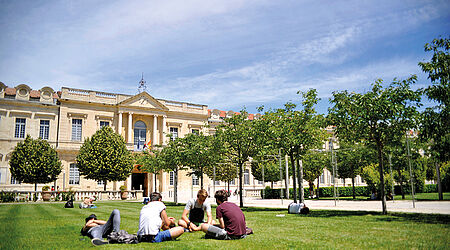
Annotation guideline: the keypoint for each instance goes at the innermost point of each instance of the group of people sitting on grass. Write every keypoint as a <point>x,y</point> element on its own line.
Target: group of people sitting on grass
<point>156,226</point>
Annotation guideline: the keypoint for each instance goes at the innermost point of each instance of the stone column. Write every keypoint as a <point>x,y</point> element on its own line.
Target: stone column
<point>130,127</point>
<point>119,124</point>
<point>164,131</point>
<point>155,127</point>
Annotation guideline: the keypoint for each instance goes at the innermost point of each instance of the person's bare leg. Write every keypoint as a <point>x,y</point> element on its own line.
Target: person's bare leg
<point>204,227</point>
<point>182,223</point>
<point>176,232</point>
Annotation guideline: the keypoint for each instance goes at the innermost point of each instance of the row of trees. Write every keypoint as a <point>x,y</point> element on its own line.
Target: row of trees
<point>372,123</point>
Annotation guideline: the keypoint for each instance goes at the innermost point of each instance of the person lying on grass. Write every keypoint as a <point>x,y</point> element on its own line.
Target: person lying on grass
<point>231,220</point>
<point>98,229</point>
<point>153,217</point>
<point>196,209</point>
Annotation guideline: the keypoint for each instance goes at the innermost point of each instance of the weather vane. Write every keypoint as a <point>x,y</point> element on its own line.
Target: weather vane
<point>142,87</point>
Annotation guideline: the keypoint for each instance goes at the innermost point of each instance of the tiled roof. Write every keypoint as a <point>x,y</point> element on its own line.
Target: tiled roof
<point>10,91</point>
<point>223,113</point>
<point>35,94</point>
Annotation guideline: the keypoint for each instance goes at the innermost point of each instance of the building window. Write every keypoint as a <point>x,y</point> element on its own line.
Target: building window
<point>194,180</point>
<point>217,182</point>
<point>196,131</point>
<point>104,123</point>
<point>246,177</point>
<point>173,133</point>
<point>140,135</point>
<point>74,174</point>
<point>100,183</point>
<point>44,129</point>
<point>260,182</point>
<point>171,178</point>
<point>20,128</point>
<point>14,181</point>
<point>76,129</point>
<point>233,182</point>
<point>322,178</point>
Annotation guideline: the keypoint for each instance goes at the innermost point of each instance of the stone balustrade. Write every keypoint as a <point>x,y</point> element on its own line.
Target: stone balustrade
<point>78,195</point>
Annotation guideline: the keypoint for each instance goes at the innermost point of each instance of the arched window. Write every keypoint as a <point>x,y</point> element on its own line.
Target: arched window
<point>140,135</point>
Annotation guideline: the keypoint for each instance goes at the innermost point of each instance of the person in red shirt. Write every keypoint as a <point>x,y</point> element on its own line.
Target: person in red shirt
<point>231,220</point>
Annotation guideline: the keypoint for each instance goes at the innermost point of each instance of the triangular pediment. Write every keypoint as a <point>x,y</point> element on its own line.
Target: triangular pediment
<point>143,100</point>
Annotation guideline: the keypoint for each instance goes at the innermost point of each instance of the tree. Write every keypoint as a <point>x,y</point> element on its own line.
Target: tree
<point>295,132</point>
<point>171,160</point>
<point>435,125</point>
<point>150,162</point>
<point>372,177</point>
<point>271,170</point>
<point>198,152</point>
<point>379,116</point>
<point>104,157</point>
<point>313,165</point>
<point>352,157</point>
<point>223,171</point>
<point>34,161</point>
<point>238,137</point>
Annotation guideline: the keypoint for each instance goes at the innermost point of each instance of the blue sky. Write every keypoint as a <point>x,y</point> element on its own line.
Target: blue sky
<point>225,54</point>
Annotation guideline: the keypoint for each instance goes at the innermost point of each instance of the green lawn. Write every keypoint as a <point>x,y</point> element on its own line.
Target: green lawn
<point>50,226</point>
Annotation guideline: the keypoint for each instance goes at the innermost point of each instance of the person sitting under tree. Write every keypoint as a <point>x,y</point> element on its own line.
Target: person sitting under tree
<point>153,217</point>
<point>231,220</point>
<point>98,229</point>
<point>196,209</point>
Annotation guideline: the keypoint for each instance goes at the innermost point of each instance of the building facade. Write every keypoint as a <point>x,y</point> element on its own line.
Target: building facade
<point>65,118</point>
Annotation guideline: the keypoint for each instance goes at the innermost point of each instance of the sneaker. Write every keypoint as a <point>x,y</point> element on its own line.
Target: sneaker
<point>99,242</point>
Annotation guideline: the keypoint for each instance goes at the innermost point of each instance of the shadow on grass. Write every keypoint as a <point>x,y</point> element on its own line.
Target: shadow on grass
<point>413,217</point>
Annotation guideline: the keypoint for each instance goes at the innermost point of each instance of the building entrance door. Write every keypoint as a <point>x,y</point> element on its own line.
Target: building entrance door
<point>139,181</point>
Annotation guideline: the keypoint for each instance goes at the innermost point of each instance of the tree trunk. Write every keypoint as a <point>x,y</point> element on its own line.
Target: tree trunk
<point>300,181</point>
<point>175,188</point>
<point>35,186</point>
<point>318,189</point>
<point>104,185</point>
<point>294,184</point>
<point>271,184</point>
<point>201,177</point>
<point>241,197</point>
<point>353,185</point>
<point>401,183</point>
<point>228,182</point>
<point>155,182</point>
<point>381,170</point>
<point>438,177</point>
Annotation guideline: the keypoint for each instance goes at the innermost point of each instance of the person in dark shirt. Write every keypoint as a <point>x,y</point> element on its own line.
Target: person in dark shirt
<point>231,220</point>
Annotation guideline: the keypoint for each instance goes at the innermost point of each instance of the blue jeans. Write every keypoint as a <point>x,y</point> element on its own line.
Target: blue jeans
<point>102,231</point>
<point>160,237</point>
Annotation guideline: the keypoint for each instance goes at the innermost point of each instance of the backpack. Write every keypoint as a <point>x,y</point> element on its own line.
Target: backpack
<point>122,237</point>
<point>69,204</point>
<point>297,208</point>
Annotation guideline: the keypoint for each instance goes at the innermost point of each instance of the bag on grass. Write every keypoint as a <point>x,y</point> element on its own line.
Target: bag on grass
<point>298,208</point>
<point>69,204</point>
<point>122,237</point>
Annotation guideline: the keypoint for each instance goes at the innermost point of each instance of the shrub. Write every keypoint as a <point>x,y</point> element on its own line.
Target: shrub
<point>7,196</point>
<point>430,188</point>
<point>45,188</point>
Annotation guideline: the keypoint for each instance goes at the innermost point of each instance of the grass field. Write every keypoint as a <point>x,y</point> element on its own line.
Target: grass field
<point>50,226</point>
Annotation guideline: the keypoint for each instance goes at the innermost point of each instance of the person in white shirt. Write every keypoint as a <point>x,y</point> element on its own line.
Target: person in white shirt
<point>196,209</point>
<point>153,217</point>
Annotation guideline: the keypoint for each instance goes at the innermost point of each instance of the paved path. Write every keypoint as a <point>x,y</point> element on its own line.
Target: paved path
<point>429,207</point>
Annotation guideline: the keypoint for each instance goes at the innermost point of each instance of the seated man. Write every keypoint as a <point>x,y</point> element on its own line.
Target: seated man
<point>153,217</point>
<point>231,220</point>
<point>99,229</point>
<point>87,203</point>
<point>196,209</point>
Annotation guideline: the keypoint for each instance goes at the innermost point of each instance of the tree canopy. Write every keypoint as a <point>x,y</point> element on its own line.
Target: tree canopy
<point>34,161</point>
<point>105,157</point>
<point>377,117</point>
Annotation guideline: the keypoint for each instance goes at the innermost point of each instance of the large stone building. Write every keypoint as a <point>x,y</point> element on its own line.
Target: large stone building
<point>65,118</point>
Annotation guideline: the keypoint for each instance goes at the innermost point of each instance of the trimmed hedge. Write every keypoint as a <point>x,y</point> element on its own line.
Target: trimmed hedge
<point>344,191</point>
<point>323,192</point>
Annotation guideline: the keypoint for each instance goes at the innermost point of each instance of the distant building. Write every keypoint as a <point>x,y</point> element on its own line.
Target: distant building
<point>65,118</point>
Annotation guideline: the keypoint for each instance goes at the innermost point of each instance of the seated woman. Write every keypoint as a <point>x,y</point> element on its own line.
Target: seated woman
<point>99,229</point>
<point>87,203</point>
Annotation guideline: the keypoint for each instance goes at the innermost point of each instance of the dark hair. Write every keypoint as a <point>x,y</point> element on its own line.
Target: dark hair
<point>155,196</point>
<point>304,210</point>
<point>90,217</point>
<point>221,195</point>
